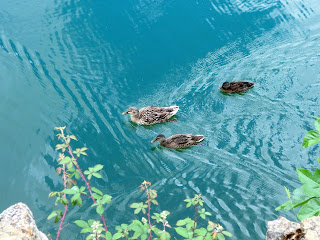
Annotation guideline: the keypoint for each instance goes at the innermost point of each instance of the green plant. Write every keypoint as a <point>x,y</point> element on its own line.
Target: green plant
<point>151,226</point>
<point>308,195</point>
<point>72,194</point>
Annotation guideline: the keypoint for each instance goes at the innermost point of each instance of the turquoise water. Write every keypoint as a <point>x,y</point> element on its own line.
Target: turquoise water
<point>82,63</point>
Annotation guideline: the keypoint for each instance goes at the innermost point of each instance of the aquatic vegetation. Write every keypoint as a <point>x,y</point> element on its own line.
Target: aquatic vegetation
<point>307,196</point>
<point>151,226</point>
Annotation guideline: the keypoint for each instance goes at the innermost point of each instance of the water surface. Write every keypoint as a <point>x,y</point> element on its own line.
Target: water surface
<point>82,63</point>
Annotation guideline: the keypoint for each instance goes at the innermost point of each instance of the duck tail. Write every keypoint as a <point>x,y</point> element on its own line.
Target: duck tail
<point>198,138</point>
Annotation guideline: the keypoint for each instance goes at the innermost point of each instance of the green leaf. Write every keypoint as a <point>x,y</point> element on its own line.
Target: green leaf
<point>310,209</point>
<point>79,201</point>
<point>86,172</point>
<point>181,223</point>
<point>164,235</point>
<point>53,214</point>
<point>109,236</point>
<point>137,210</point>
<point>188,204</point>
<point>69,165</point>
<point>182,231</point>
<point>56,219</point>
<point>311,181</point>
<point>75,197</point>
<point>86,230</point>
<point>298,198</point>
<point>81,223</point>
<point>96,191</point>
<point>65,160</point>
<point>221,236</point>
<point>201,231</point>
<point>203,216</point>
<point>135,205</point>
<point>97,175</point>
<point>100,209</point>
<point>117,235</point>
<point>288,193</point>
<point>69,191</point>
<point>96,196</point>
<point>228,234</point>
<point>144,236</point>
<point>155,202</point>
<point>98,167</point>
<point>64,201</point>
<point>90,222</point>
<point>311,137</point>
<point>106,199</point>
<point>317,125</point>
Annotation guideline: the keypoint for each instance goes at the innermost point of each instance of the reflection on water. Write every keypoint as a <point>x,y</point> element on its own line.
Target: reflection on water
<point>82,63</point>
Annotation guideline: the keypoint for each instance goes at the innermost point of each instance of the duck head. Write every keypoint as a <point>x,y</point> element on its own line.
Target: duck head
<point>159,138</point>
<point>132,111</point>
<point>225,85</point>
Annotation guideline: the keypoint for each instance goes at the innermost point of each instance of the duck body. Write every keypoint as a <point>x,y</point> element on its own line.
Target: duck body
<point>152,114</point>
<point>236,86</point>
<point>179,140</point>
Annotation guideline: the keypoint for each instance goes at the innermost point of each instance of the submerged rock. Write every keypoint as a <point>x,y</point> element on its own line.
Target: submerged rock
<point>16,222</point>
<point>283,229</point>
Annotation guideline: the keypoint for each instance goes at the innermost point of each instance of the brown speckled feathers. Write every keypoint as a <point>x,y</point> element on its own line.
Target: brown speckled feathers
<point>179,140</point>
<point>236,86</point>
<point>152,115</point>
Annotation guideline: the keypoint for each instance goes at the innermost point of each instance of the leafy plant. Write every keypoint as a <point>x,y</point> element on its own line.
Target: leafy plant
<point>72,193</point>
<point>187,228</point>
<point>151,226</point>
<point>308,195</point>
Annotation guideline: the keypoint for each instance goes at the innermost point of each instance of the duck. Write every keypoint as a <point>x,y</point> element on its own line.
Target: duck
<point>236,86</point>
<point>179,140</point>
<point>151,115</point>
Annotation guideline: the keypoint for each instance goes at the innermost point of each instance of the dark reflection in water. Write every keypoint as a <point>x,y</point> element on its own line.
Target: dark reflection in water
<point>82,63</point>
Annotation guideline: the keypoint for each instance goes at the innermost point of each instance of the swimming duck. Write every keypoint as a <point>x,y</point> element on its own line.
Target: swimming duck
<point>179,140</point>
<point>236,86</point>
<point>151,115</point>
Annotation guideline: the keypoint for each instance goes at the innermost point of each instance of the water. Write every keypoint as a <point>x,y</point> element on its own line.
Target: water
<point>82,63</point>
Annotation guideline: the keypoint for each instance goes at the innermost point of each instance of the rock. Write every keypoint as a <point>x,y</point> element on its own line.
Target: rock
<point>17,223</point>
<point>311,227</point>
<point>280,227</point>
<point>283,229</point>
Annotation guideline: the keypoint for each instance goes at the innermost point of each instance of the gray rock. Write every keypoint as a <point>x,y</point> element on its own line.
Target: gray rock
<point>16,223</point>
<point>283,229</point>
<point>280,227</point>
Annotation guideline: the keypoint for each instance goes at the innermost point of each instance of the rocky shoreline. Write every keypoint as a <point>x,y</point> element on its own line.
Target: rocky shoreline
<point>17,222</point>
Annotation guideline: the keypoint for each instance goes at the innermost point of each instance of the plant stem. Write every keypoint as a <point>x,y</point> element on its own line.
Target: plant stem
<point>88,186</point>
<point>65,206</point>
<point>195,218</point>
<point>83,178</point>
<point>149,209</point>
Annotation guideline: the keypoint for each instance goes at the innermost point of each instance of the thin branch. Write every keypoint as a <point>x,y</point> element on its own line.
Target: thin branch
<point>195,219</point>
<point>65,206</point>
<point>88,186</point>
<point>149,210</point>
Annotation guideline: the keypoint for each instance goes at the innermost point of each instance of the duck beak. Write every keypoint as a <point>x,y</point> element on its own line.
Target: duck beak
<point>154,140</point>
<point>125,113</point>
